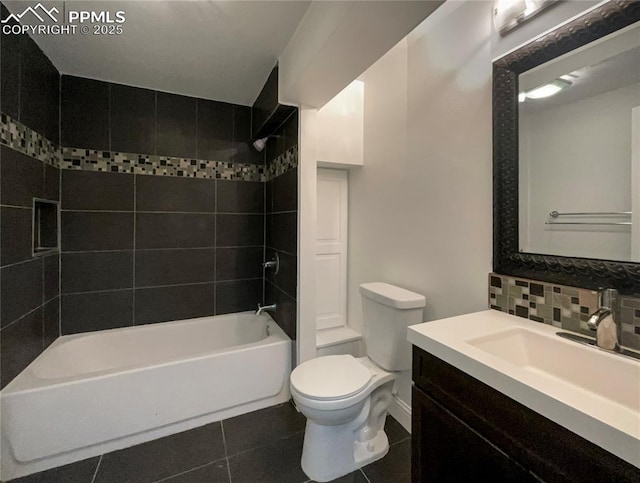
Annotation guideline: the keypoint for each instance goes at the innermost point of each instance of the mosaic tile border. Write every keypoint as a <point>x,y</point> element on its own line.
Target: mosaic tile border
<point>283,163</point>
<point>114,162</point>
<point>27,141</point>
<point>19,137</point>
<point>559,305</point>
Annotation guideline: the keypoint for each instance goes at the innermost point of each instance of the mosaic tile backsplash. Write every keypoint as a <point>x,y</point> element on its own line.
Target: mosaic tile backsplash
<point>559,305</point>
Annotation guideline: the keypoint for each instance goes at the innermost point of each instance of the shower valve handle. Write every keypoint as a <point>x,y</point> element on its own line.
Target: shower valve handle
<point>273,263</point>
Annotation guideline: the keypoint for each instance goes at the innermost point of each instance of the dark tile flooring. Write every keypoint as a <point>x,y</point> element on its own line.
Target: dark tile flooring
<point>260,447</point>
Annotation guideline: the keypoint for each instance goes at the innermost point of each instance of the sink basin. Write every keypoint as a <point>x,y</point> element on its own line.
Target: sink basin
<point>594,393</point>
<point>604,375</point>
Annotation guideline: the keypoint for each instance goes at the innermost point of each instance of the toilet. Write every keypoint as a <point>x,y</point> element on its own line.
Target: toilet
<point>345,399</point>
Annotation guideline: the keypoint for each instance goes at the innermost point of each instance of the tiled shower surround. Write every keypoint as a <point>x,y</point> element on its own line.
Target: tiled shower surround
<point>138,249</point>
<point>163,207</point>
<point>282,223</point>
<point>29,289</point>
<point>559,305</point>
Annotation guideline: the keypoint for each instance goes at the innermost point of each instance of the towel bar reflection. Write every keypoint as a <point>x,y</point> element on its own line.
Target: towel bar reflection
<point>555,214</point>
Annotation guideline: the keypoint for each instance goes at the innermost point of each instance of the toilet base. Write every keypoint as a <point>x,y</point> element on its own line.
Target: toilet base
<point>330,452</point>
<point>325,459</point>
<point>370,451</point>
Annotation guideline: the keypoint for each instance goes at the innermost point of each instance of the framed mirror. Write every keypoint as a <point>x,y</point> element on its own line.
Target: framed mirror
<point>566,133</point>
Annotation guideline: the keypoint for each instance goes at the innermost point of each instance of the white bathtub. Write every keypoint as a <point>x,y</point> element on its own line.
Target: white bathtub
<point>89,394</point>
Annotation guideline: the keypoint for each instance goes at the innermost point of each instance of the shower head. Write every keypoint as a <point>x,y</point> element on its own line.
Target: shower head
<point>259,144</point>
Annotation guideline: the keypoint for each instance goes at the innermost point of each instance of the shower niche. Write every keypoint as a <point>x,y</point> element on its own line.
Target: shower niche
<point>46,222</point>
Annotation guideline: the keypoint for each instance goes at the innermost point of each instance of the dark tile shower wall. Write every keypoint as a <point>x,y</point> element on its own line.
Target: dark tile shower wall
<point>29,289</point>
<point>141,248</point>
<point>282,224</point>
<point>110,117</point>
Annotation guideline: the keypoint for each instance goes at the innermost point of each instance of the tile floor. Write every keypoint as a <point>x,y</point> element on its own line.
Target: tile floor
<point>259,447</point>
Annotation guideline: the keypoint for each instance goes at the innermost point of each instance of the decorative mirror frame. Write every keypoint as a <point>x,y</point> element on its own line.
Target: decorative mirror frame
<point>507,259</point>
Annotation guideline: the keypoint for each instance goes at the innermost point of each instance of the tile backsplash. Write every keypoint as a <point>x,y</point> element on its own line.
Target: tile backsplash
<point>559,305</point>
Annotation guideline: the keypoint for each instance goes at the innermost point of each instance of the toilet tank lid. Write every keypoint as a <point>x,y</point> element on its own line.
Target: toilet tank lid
<point>392,296</point>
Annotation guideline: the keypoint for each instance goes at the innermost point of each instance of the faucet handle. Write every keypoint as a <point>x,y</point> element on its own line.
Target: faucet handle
<point>273,263</point>
<point>609,298</point>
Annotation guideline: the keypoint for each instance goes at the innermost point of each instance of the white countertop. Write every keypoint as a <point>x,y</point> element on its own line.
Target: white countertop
<point>607,423</point>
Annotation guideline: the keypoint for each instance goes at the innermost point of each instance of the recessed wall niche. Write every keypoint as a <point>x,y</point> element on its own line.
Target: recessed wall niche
<point>45,227</point>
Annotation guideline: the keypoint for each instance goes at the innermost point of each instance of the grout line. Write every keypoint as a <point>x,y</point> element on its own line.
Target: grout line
<point>154,250</point>
<point>226,453</point>
<point>20,53</point>
<point>33,259</point>
<point>133,255</point>
<point>60,225</point>
<point>188,471</point>
<point>17,206</point>
<point>43,290</point>
<point>279,438</point>
<point>264,244</point>
<point>50,300</point>
<point>197,131</point>
<point>146,287</point>
<point>365,475</point>
<point>98,291</point>
<point>281,290</point>
<point>95,473</point>
<point>285,212</point>
<point>74,252</point>
<point>109,129</point>
<point>22,317</point>
<point>215,260</point>
<point>283,251</point>
<point>147,212</point>
<point>239,280</point>
<point>155,126</point>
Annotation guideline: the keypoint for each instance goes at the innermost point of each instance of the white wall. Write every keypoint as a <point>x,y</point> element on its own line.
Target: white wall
<point>420,207</point>
<point>340,128</point>
<point>307,201</point>
<point>336,41</point>
<point>576,157</point>
<point>544,21</point>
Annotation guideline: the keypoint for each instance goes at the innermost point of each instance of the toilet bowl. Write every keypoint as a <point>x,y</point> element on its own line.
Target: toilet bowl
<point>345,399</point>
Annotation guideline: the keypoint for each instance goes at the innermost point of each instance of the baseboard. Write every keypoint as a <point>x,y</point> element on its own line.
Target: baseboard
<point>401,412</point>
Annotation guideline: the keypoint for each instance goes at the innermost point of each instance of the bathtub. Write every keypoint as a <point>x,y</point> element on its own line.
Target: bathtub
<point>92,393</point>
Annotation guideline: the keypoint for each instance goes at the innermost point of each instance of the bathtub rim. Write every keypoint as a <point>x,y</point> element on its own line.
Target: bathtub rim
<point>26,381</point>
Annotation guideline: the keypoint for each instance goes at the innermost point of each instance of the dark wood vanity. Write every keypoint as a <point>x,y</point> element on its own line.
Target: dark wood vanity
<point>464,430</point>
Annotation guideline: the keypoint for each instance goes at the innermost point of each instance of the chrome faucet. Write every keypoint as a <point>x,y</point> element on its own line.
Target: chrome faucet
<point>606,320</point>
<point>266,308</point>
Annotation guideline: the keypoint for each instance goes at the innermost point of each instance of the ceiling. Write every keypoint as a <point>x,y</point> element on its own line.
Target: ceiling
<point>608,64</point>
<point>608,75</point>
<point>222,50</point>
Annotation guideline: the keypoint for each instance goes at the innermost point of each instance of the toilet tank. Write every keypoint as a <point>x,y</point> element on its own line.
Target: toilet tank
<point>387,311</point>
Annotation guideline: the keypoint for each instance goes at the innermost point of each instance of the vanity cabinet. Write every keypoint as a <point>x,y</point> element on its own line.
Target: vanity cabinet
<point>464,430</point>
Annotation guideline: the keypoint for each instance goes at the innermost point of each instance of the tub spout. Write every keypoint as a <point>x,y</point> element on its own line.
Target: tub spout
<point>266,308</point>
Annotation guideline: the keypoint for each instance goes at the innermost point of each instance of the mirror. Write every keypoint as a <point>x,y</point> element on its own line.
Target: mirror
<point>579,172</point>
<point>582,166</point>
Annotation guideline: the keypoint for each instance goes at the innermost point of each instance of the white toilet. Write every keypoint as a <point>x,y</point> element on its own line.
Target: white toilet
<point>345,399</point>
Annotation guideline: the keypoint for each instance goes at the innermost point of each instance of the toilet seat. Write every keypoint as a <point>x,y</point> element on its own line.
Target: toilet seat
<point>330,378</point>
